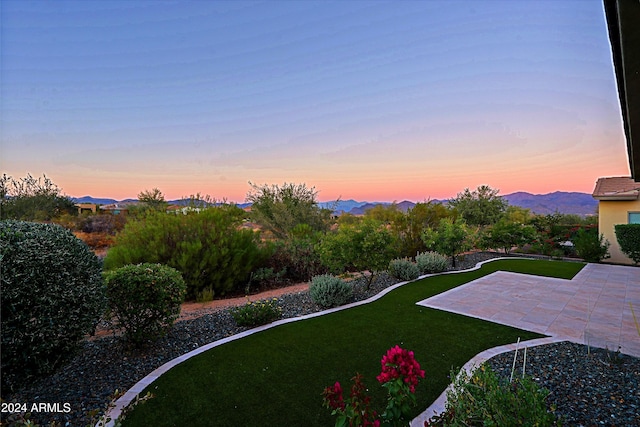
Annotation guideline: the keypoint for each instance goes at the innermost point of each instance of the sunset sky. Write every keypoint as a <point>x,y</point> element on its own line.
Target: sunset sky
<point>365,100</point>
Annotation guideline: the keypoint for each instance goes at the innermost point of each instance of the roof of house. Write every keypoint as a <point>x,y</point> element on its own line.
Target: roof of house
<point>616,188</point>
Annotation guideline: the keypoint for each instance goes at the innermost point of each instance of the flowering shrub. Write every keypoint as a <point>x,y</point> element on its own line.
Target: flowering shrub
<point>257,313</point>
<point>400,375</point>
<point>358,411</point>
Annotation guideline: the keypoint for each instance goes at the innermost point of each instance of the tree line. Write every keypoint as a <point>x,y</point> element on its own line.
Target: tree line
<point>218,250</point>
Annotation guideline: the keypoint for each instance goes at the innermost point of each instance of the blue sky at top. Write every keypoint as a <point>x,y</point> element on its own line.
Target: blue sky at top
<point>362,99</point>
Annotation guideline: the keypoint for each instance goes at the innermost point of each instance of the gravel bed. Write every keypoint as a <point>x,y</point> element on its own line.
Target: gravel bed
<point>589,386</point>
<point>107,364</point>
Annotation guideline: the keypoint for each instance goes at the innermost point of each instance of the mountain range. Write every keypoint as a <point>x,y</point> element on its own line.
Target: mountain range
<point>560,201</point>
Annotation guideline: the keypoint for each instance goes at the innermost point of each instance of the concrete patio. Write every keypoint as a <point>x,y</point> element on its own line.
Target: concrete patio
<point>594,308</point>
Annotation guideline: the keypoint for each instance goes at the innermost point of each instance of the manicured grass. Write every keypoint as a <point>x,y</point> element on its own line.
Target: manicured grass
<point>276,377</point>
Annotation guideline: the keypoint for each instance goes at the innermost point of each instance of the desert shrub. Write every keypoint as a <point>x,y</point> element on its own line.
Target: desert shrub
<point>404,269</point>
<point>628,236</point>
<point>450,238</point>
<point>205,295</point>
<point>209,247</point>
<point>298,257</point>
<point>281,209</point>
<point>52,296</point>
<point>103,223</point>
<point>257,313</point>
<point>482,206</point>
<point>507,234</point>
<point>361,246</point>
<point>327,290</point>
<point>431,262</point>
<point>32,199</point>
<point>265,277</point>
<point>590,246</point>
<point>483,398</point>
<point>144,300</point>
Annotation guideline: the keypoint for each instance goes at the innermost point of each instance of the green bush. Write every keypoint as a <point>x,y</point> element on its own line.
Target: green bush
<point>450,238</point>
<point>628,236</point>
<point>265,278</point>
<point>360,246</point>
<point>257,313</point>
<point>483,398</point>
<point>298,257</point>
<point>431,262</point>
<point>102,223</point>
<point>144,300</point>
<point>52,296</point>
<point>280,210</point>
<point>507,234</point>
<point>209,248</point>
<point>32,199</point>
<point>404,269</point>
<point>590,246</point>
<point>329,291</point>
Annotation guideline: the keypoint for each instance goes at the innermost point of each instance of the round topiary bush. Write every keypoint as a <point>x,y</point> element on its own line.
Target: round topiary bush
<point>327,291</point>
<point>144,300</point>
<point>431,262</point>
<point>404,269</point>
<point>52,295</point>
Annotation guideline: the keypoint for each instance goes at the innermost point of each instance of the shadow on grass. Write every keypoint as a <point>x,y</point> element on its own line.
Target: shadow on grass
<point>276,377</point>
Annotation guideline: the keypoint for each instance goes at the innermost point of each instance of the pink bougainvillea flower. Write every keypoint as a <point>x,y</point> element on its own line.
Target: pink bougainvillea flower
<point>400,363</point>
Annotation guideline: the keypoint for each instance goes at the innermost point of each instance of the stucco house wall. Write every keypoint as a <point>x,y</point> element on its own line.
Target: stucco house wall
<point>617,197</point>
<point>610,213</point>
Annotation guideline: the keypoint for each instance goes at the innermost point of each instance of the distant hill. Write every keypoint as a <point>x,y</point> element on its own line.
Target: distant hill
<point>360,210</point>
<point>559,201</point>
<point>341,205</point>
<point>563,202</point>
<point>405,205</point>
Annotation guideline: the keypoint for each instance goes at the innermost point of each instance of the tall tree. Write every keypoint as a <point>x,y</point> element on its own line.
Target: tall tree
<point>280,209</point>
<point>450,238</point>
<point>480,207</point>
<point>422,216</point>
<point>153,199</point>
<point>366,245</point>
<point>506,235</point>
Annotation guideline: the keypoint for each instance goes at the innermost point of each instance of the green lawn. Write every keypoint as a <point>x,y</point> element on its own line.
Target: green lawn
<point>276,377</point>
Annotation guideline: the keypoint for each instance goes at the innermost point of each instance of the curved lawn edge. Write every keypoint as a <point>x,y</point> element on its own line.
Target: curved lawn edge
<point>132,394</point>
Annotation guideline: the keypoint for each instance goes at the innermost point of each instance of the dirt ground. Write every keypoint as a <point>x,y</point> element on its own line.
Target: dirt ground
<point>192,310</point>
